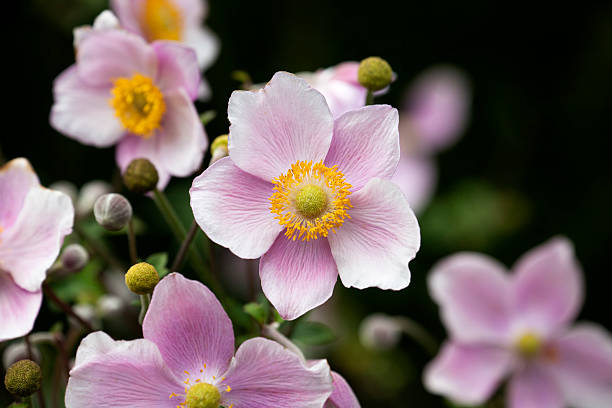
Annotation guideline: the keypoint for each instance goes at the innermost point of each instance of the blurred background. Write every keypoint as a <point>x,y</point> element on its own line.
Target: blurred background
<point>533,161</point>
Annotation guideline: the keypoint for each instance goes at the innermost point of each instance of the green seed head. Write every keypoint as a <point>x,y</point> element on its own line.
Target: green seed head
<point>23,378</point>
<point>140,176</point>
<point>374,73</point>
<point>220,141</point>
<point>311,201</point>
<point>142,278</point>
<point>203,395</point>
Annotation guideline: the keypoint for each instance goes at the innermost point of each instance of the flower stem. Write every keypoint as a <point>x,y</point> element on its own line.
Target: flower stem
<point>169,214</point>
<point>98,248</point>
<point>65,307</point>
<point>41,401</point>
<point>184,247</point>
<point>145,301</point>
<point>132,243</point>
<point>419,334</point>
<point>271,331</point>
<point>370,98</point>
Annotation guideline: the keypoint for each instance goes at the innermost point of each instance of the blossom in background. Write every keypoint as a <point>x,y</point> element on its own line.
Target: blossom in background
<point>177,20</point>
<point>123,90</point>
<point>434,115</point>
<point>33,224</point>
<point>517,325</point>
<point>187,358</point>
<point>343,395</point>
<point>308,194</point>
<point>106,20</point>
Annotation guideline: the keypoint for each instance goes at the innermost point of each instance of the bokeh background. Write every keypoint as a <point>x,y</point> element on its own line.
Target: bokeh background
<point>533,162</point>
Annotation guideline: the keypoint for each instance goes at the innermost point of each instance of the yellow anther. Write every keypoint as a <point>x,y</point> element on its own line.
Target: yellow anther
<point>162,20</point>
<point>228,388</point>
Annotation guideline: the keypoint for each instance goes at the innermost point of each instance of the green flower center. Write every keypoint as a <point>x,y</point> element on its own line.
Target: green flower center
<point>529,344</point>
<point>311,201</point>
<point>203,395</point>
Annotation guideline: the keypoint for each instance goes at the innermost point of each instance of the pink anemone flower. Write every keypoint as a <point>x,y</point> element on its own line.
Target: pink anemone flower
<point>517,325</point>
<point>343,395</point>
<point>123,90</point>
<point>33,224</point>
<point>309,195</point>
<point>177,20</point>
<point>187,359</point>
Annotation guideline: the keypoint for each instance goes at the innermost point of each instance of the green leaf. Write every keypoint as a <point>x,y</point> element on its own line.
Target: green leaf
<point>207,117</point>
<point>313,333</point>
<point>160,262</point>
<point>257,312</point>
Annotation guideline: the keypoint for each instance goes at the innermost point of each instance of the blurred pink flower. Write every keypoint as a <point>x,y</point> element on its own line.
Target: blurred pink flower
<point>123,90</point>
<point>178,20</point>
<point>33,224</point>
<point>106,20</point>
<point>188,349</point>
<point>294,175</point>
<point>517,325</point>
<point>343,395</point>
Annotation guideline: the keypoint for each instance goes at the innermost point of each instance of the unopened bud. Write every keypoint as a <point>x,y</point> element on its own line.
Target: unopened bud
<point>380,332</point>
<point>142,278</point>
<point>140,176</point>
<point>67,188</point>
<point>90,192</point>
<point>218,148</point>
<point>374,73</point>
<point>74,258</point>
<point>109,305</point>
<point>18,351</point>
<point>113,211</point>
<point>23,378</point>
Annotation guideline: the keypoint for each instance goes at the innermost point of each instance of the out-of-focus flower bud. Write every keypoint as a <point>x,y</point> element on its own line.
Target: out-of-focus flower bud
<point>113,211</point>
<point>74,258</point>
<point>86,312</point>
<point>67,188</point>
<point>23,378</point>
<point>218,148</point>
<point>109,305</point>
<point>140,176</point>
<point>142,278</point>
<point>89,194</point>
<point>18,351</point>
<point>106,20</point>
<point>380,332</point>
<point>374,73</point>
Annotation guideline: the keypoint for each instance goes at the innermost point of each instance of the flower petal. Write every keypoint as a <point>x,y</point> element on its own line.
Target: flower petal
<point>467,374</point>
<point>474,294</point>
<point>297,276</point>
<point>16,179</point>
<point>177,67</point>
<point>232,208</point>
<point>416,176</point>
<point>365,144</point>
<point>532,387</point>
<point>204,42</point>
<point>264,374</point>
<point>110,54</point>
<point>584,366</point>
<point>129,12</point>
<point>374,246</point>
<point>276,126</point>
<point>339,86</point>
<point>193,332</point>
<point>83,112</point>
<point>33,242</point>
<point>19,308</point>
<point>121,374</point>
<point>548,287</point>
<point>135,147</point>
<point>343,395</point>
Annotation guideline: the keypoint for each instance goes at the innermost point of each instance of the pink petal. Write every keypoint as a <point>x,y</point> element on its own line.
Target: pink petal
<point>135,147</point>
<point>548,286</point>
<point>343,395</point>
<point>474,294</point>
<point>193,332</point>
<point>532,387</point>
<point>297,276</point>
<point>232,208</point>
<point>374,246</point>
<point>16,179</point>
<point>467,374</point>
<point>106,55</point>
<point>204,42</point>
<point>19,308</point>
<point>32,243</point>
<point>93,346</point>
<point>365,144</point>
<point>276,126</point>
<point>264,374</point>
<point>177,67</point>
<point>340,87</point>
<point>129,12</point>
<point>416,176</point>
<point>83,112</point>
<point>583,367</point>
<point>347,72</point>
<point>122,374</point>
<point>193,11</point>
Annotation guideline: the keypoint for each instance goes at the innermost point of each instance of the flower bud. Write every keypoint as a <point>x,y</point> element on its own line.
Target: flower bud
<point>67,188</point>
<point>74,258</point>
<point>86,312</point>
<point>374,73</point>
<point>23,378</point>
<point>89,194</point>
<point>218,148</point>
<point>113,211</point>
<point>142,278</point>
<point>380,332</point>
<point>140,176</point>
<point>109,306</point>
<point>18,351</point>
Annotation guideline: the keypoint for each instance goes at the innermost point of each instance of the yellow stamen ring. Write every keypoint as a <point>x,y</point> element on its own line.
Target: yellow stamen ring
<point>310,200</point>
<point>162,20</point>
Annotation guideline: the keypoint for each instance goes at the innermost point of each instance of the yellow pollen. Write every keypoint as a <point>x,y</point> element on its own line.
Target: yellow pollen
<point>162,20</point>
<point>310,200</point>
<point>138,104</point>
<point>203,395</point>
<point>529,344</point>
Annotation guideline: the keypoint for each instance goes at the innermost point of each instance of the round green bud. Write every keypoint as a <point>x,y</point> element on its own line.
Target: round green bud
<point>142,278</point>
<point>220,141</point>
<point>112,211</point>
<point>374,73</point>
<point>140,176</point>
<point>23,378</point>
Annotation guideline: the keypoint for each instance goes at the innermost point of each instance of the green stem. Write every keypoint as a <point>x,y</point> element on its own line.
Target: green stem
<point>169,214</point>
<point>145,301</point>
<point>132,242</point>
<point>98,248</point>
<point>370,98</point>
<point>419,334</point>
<point>185,246</point>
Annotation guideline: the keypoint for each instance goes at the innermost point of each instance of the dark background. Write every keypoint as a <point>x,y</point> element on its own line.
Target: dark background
<point>540,131</point>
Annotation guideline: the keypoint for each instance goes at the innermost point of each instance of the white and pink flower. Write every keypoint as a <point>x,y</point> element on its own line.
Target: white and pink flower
<point>308,194</point>
<point>187,358</point>
<point>137,95</point>
<point>33,224</point>
<point>517,325</point>
<point>343,395</point>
